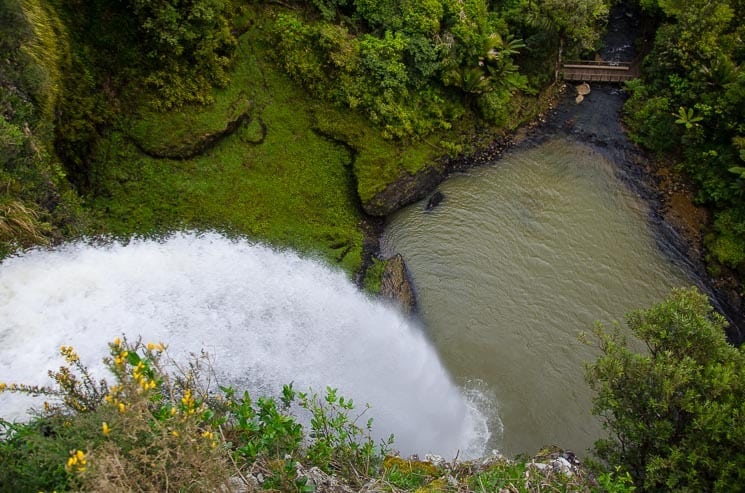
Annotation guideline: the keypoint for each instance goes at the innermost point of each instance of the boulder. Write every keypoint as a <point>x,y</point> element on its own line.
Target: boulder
<point>395,284</point>
<point>434,200</point>
<point>405,190</point>
<point>583,89</point>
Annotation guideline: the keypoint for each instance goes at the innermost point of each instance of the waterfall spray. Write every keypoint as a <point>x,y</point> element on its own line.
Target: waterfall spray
<point>267,318</point>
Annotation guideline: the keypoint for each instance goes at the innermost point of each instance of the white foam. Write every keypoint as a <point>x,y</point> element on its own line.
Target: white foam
<point>268,318</point>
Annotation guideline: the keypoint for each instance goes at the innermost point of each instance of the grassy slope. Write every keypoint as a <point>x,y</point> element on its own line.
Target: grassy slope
<point>293,189</point>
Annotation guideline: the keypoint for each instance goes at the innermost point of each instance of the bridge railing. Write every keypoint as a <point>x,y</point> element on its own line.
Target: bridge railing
<point>597,77</point>
<point>599,71</point>
<point>597,64</point>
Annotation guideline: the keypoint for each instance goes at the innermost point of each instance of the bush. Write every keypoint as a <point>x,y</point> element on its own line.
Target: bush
<point>674,411</point>
<point>160,427</point>
<point>189,44</point>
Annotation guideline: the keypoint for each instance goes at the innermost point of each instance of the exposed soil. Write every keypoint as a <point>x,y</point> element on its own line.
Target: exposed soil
<point>677,206</point>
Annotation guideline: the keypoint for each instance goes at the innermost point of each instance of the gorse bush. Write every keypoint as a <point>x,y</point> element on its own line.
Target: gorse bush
<point>158,427</point>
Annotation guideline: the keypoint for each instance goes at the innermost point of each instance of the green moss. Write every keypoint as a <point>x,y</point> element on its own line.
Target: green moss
<point>294,189</point>
<point>168,132</point>
<point>374,276</point>
<point>378,161</point>
<point>408,474</point>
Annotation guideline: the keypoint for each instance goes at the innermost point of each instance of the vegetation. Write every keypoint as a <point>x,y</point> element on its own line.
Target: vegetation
<point>691,103</point>
<point>675,410</point>
<point>37,204</point>
<point>283,121</point>
<point>140,117</point>
<point>159,426</point>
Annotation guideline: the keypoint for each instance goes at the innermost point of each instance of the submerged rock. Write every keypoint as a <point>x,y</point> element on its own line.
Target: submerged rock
<point>434,200</point>
<point>395,284</point>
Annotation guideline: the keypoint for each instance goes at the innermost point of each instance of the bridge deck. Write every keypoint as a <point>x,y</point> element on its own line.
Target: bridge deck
<point>599,71</point>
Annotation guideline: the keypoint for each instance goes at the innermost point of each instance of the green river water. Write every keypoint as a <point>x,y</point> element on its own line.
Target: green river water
<point>519,258</point>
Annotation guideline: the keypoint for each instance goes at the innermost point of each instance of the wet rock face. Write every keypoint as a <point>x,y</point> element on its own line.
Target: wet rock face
<point>404,191</point>
<point>395,284</point>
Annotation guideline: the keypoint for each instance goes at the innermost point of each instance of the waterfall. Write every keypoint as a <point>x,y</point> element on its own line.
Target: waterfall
<point>266,317</point>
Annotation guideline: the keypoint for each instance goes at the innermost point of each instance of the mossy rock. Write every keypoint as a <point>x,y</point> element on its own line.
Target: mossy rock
<point>389,173</point>
<point>409,466</point>
<point>189,133</point>
<point>395,284</point>
<point>437,486</point>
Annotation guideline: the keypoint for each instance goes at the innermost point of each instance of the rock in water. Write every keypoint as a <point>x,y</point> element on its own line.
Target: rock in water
<point>583,89</point>
<point>395,284</point>
<point>434,200</point>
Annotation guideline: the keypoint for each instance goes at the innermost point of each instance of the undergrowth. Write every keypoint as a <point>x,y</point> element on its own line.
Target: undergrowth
<point>158,425</point>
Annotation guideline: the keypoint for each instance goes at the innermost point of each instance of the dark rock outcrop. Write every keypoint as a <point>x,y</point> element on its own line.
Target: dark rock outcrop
<point>434,200</point>
<point>404,191</point>
<point>395,284</point>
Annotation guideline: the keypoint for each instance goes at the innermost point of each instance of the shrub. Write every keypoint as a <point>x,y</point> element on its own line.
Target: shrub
<point>674,412</point>
<point>160,427</point>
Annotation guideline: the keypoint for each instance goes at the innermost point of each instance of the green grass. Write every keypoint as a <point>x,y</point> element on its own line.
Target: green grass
<point>378,161</point>
<point>293,174</point>
<point>294,189</point>
<point>171,132</point>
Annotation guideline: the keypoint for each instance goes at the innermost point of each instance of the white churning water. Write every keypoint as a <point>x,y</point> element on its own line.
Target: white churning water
<point>267,317</point>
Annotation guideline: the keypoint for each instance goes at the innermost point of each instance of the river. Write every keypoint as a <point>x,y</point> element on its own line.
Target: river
<point>525,253</point>
<point>518,259</point>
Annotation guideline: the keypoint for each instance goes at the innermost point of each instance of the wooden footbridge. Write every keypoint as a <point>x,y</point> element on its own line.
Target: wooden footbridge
<point>599,71</point>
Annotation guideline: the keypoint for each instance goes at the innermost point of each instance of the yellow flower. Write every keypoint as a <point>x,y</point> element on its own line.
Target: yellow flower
<point>117,342</point>
<point>3,386</point>
<point>105,428</point>
<point>77,461</point>
<point>122,407</point>
<point>187,400</point>
<point>69,353</point>
<point>156,347</point>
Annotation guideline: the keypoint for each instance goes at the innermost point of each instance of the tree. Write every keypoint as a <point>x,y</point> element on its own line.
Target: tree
<point>575,21</point>
<point>190,45</point>
<point>676,412</point>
